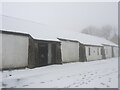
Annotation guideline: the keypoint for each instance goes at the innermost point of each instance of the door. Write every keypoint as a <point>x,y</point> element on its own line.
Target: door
<point>103,53</point>
<point>82,54</point>
<point>42,54</point>
<point>113,52</point>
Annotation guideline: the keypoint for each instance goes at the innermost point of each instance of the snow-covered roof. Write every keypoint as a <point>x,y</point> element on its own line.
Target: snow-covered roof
<point>43,32</point>
<point>84,38</point>
<point>36,30</point>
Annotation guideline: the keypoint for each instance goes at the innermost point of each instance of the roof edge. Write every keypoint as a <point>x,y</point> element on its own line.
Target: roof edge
<point>14,33</point>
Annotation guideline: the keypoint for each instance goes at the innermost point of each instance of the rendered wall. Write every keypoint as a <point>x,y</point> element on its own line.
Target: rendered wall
<point>0,50</point>
<point>115,51</point>
<point>70,51</point>
<point>14,51</point>
<point>108,51</point>
<point>95,53</point>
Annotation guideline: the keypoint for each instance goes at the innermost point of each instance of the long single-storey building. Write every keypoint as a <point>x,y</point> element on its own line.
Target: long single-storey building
<point>82,47</point>
<point>74,51</point>
<point>43,46</point>
<point>21,50</point>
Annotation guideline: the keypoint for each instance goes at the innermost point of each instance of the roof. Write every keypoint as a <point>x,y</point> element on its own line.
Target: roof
<point>85,38</point>
<point>36,30</point>
<point>14,33</point>
<point>42,32</point>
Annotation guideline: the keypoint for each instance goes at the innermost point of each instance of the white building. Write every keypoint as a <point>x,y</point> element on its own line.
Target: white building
<point>74,46</point>
<point>21,50</point>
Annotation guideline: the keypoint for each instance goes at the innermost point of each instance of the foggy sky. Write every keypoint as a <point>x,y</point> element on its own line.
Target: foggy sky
<point>67,15</point>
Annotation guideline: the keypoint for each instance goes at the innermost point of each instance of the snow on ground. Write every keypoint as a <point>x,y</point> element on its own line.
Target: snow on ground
<point>94,74</point>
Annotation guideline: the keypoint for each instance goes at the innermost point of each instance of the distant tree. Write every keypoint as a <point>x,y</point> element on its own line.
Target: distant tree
<point>107,32</point>
<point>114,39</point>
<point>92,30</point>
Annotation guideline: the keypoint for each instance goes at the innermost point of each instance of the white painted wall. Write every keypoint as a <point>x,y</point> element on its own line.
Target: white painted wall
<point>14,51</point>
<point>115,51</point>
<point>70,51</point>
<point>0,50</point>
<point>95,53</point>
<point>108,51</point>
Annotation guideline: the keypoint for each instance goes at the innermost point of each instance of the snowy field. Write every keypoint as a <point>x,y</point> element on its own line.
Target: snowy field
<point>94,74</point>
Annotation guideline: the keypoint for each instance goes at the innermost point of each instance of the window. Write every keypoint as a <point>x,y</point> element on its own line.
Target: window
<point>98,51</point>
<point>89,51</point>
<point>101,51</point>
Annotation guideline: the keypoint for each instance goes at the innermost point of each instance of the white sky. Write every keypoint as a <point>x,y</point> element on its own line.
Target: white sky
<point>65,15</point>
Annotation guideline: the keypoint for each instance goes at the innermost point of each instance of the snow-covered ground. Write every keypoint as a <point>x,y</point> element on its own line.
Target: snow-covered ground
<point>94,74</point>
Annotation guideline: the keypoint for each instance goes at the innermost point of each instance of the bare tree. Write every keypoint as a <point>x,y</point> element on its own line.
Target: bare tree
<point>107,32</point>
<point>92,30</point>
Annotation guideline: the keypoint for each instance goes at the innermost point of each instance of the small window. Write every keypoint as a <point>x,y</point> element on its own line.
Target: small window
<point>98,51</point>
<point>101,51</point>
<point>89,51</point>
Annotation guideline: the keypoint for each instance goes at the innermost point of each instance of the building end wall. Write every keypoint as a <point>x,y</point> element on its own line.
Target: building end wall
<point>70,51</point>
<point>14,51</point>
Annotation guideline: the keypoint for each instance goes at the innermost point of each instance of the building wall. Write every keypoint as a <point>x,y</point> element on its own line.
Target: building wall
<point>0,50</point>
<point>94,53</point>
<point>115,51</point>
<point>108,51</point>
<point>70,51</point>
<point>14,51</point>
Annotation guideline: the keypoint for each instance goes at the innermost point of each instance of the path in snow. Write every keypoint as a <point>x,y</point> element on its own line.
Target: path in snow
<point>94,74</point>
